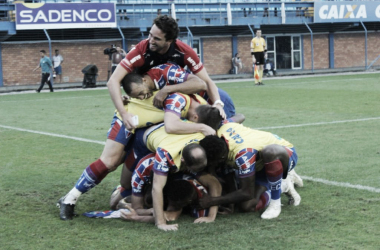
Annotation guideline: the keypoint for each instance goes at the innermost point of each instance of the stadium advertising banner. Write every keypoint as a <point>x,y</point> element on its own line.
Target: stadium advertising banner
<point>332,12</point>
<point>65,15</point>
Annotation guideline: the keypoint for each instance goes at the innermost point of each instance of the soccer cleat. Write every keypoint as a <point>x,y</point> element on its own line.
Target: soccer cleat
<point>273,210</point>
<point>262,83</point>
<point>66,211</point>
<point>294,197</point>
<point>295,178</point>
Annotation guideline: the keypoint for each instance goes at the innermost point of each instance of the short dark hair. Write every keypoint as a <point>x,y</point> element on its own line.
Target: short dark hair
<point>43,51</point>
<point>190,159</point>
<point>215,148</point>
<point>168,26</point>
<point>127,82</point>
<point>180,190</point>
<point>56,50</point>
<point>209,115</point>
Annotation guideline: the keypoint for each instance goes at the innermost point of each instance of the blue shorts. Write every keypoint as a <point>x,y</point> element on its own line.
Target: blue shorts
<point>136,149</point>
<point>58,70</point>
<point>293,158</point>
<point>118,132</point>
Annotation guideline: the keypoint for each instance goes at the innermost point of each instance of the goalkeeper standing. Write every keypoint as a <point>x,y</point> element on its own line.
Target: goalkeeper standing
<point>258,50</point>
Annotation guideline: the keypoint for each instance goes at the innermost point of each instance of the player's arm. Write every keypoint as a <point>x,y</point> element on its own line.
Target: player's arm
<point>215,190</point>
<point>138,206</point>
<point>172,213</point>
<point>192,85</point>
<point>245,193</point>
<point>113,86</point>
<point>134,216</point>
<point>174,125</point>
<point>159,182</point>
<point>212,91</point>
<point>39,66</point>
<point>252,49</point>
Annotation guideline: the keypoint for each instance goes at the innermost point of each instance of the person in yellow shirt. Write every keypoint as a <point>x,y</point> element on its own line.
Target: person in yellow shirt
<point>258,51</point>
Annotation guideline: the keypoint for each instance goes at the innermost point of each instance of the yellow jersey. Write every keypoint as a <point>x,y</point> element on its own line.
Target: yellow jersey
<point>148,114</point>
<point>172,143</point>
<point>240,137</point>
<point>258,44</point>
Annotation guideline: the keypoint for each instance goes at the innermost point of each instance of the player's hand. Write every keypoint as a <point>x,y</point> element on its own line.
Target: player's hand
<point>207,130</point>
<point>221,110</point>
<point>204,202</point>
<point>128,216</point>
<point>166,227</point>
<point>203,220</point>
<point>170,216</point>
<point>158,100</point>
<point>225,210</point>
<point>125,99</point>
<point>128,121</point>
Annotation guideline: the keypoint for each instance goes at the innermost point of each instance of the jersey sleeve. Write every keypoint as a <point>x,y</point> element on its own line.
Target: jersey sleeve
<point>191,58</point>
<point>174,74</point>
<point>135,57</point>
<point>252,45</point>
<point>141,175</point>
<point>162,162</point>
<point>167,74</point>
<point>245,160</point>
<point>175,103</point>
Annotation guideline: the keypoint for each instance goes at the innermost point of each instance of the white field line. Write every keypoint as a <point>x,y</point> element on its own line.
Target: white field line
<point>342,184</point>
<point>54,135</point>
<point>327,182</point>
<point>322,123</point>
<point>55,99</point>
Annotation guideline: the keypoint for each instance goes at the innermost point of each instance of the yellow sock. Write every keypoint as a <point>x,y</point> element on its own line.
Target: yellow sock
<point>261,75</point>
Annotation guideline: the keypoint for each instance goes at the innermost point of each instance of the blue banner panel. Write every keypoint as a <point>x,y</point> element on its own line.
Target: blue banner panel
<point>340,12</point>
<point>65,15</point>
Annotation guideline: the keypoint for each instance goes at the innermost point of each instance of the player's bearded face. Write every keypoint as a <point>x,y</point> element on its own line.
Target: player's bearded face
<point>157,40</point>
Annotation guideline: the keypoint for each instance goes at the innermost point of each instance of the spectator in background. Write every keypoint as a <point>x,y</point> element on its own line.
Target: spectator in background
<point>46,67</point>
<point>237,63</point>
<point>58,60</point>
<point>117,56</point>
<point>269,68</point>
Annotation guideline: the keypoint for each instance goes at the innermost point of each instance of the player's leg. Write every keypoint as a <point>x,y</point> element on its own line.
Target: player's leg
<point>295,178</point>
<point>261,73</point>
<point>136,151</point>
<point>49,84</point>
<point>124,189</point>
<point>44,77</point>
<point>111,157</point>
<point>293,158</point>
<point>276,162</point>
<point>229,106</point>
<point>295,198</point>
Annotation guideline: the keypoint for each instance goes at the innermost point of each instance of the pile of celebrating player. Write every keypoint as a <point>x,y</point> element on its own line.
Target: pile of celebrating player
<point>181,144</point>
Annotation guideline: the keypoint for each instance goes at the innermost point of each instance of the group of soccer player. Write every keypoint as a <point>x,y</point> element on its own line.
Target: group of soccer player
<point>181,144</point>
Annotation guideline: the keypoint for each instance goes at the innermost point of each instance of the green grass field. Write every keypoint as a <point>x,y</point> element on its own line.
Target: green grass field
<point>47,139</point>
